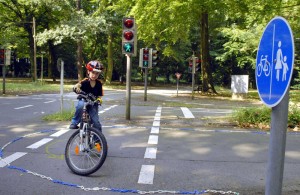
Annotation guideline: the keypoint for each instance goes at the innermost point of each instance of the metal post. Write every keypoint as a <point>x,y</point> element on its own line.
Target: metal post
<point>42,68</point>
<point>3,74</point>
<point>279,118</point>
<point>34,49</point>
<point>128,86</point>
<point>177,85</point>
<point>193,75</point>
<point>61,86</point>
<point>146,84</point>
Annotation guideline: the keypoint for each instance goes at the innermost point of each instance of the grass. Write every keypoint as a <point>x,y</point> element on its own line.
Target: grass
<point>65,115</point>
<point>261,117</point>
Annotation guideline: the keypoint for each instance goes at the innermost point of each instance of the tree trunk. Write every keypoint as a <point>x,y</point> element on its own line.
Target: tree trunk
<point>109,60</point>
<point>153,76</point>
<point>51,61</point>
<point>79,50</point>
<point>207,83</point>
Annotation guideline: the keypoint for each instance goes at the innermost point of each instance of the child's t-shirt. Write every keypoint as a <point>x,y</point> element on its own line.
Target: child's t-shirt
<point>97,90</point>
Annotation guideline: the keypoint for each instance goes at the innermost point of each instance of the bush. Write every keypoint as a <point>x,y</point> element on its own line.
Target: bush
<point>261,117</point>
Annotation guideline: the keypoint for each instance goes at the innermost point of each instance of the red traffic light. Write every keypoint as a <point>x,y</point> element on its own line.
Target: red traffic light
<point>145,57</point>
<point>128,23</point>
<point>128,35</point>
<point>145,51</point>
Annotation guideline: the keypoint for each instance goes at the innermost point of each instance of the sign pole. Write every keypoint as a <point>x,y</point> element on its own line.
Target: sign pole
<point>279,118</point>
<point>193,76</point>
<point>146,84</point>
<point>128,86</point>
<point>61,86</point>
<point>3,73</point>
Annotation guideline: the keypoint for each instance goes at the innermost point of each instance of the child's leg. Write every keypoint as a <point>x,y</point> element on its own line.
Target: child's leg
<point>93,112</point>
<point>78,113</point>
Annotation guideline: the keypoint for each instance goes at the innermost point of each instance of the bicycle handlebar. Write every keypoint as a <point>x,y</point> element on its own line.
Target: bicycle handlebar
<point>88,97</point>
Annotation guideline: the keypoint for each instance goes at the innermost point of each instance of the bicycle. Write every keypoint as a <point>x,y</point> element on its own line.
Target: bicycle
<point>86,149</point>
<point>264,65</point>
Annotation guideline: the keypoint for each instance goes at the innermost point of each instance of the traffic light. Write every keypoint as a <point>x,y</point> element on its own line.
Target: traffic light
<point>153,57</point>
<point>129,37</point>
<point>144,58</point>
<point>2,53</point>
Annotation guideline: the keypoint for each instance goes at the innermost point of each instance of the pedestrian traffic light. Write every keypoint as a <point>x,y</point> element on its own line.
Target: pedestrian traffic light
<point>153,58</point>
<point>129,37</point>
<point>2,53</point>
<point>144,58</point>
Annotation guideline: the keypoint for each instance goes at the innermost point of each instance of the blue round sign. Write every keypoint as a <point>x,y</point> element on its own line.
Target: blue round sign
<point>274,61</point>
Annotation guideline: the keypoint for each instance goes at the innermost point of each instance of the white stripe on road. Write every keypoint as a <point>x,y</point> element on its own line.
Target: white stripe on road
<point>39,143</point>
<point>150,153</point>
<point>49,102</point>
<point>146,174</point>
<point>11,158</point>
<point>153,139</point>
<point>59,133</point>
<point>187,113</point>
<point>154,130</point>
<point>23,107</point>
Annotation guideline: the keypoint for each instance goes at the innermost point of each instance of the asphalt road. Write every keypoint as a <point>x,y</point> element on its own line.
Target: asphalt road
<point>163,147</point>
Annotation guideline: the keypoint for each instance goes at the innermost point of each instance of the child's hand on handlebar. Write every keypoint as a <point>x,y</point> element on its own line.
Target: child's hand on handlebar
<point>99,100</point>
<point>77,88</point>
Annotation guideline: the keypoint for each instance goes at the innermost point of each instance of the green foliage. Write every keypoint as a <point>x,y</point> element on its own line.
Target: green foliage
<point>254,117</point>
<point>261,117</point>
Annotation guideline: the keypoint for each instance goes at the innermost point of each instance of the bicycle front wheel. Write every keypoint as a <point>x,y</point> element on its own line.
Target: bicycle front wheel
<point>86,155</point>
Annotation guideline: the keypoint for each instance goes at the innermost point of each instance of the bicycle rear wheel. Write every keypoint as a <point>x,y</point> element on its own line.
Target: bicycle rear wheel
<point>87,156</point>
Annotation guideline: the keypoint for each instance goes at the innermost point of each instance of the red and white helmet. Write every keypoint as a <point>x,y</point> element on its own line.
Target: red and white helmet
<point>94,66</point>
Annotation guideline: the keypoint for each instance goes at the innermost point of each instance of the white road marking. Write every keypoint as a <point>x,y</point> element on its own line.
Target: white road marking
<point>49,102</point>
<point>39,143</point>
<point>23,107</point>
<point>156,123</point>
<point>150,153</point>
<point>11,158</point>
<point>59,133</point>
<point>154,130</point>
<point>187,113</point>
<point>153,139</point>
<point>146,174</point>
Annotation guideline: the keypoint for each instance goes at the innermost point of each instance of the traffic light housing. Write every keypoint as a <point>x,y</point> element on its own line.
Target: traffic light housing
<point>144,58</point>
<point>2,58</point>
<point>129,37</point>
<point>153,58</point>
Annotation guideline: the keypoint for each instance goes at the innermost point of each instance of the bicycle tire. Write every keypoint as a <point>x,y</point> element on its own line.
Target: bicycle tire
<point>89,161</point>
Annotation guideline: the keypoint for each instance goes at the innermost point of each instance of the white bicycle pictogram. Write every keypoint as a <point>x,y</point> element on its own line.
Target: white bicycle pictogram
<point>264,65</point>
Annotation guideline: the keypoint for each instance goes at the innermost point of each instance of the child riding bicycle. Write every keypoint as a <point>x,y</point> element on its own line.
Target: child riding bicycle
<point>90,85</point>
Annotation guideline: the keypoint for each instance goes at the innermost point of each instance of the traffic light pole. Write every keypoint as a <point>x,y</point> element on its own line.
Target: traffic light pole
<point>146,84</point>
<point>3,73</point>
<point>128,86</point>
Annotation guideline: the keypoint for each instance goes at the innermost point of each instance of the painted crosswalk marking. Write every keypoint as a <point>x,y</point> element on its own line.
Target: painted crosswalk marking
<point>187,113</point>
<point>150,153</point>
<point>146,174</point>
<point>11,158</point>
<point>39,143</point>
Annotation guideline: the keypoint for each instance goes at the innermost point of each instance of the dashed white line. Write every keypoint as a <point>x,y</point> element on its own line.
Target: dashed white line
<point>11,158</point>
<point>23,107</point>
<point>146,174</point>
<point>49,102</point>
<point>39,143</point>
<point>154,130</point>
<point>187,113</point>
<point>150,153</point>
<point>153,139</point>
<point>59,133</point>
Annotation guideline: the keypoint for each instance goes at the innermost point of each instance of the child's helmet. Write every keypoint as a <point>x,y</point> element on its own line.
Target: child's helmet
<point>94,66</point>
